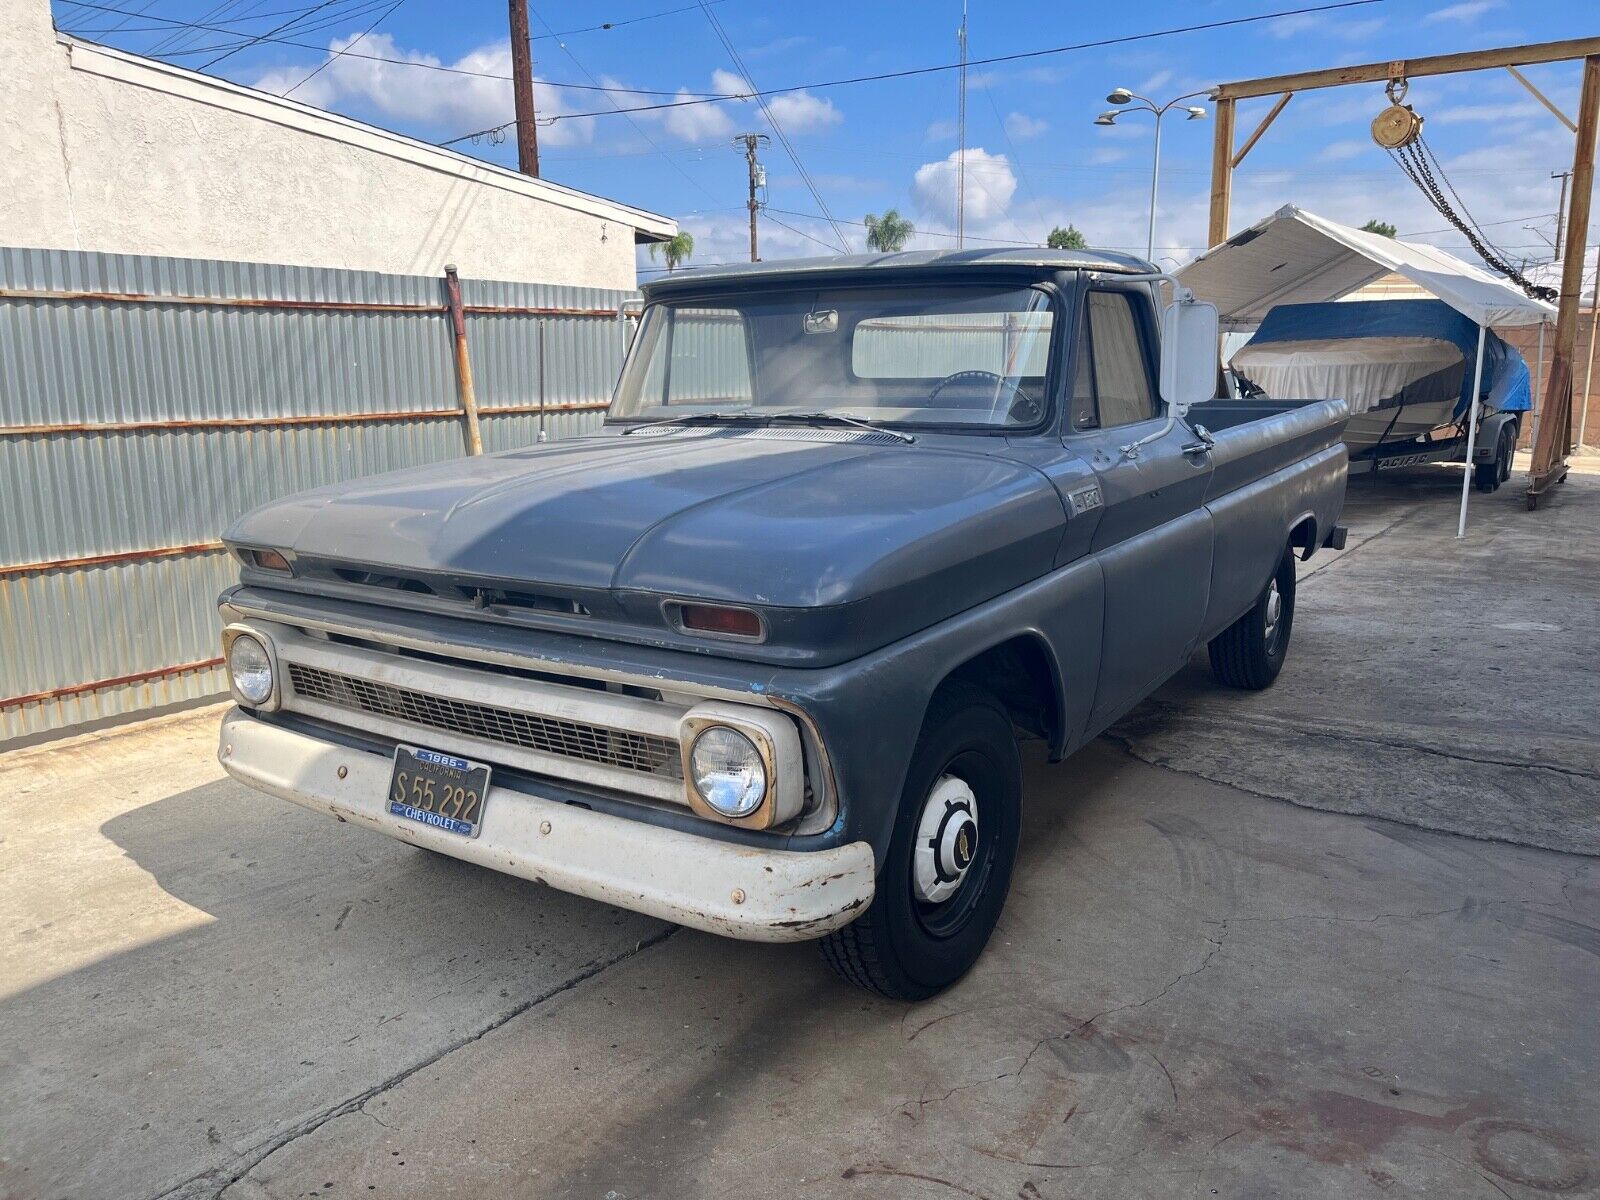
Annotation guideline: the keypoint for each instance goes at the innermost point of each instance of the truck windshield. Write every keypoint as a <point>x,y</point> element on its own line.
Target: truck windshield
<point>970,355</point>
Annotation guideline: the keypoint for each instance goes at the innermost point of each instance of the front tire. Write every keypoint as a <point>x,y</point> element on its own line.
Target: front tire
<point>1250,652</point>
<point>948,868</point>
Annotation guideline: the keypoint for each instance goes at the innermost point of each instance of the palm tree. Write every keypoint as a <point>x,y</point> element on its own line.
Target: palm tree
<point>888,233</point>
<point>677,250</point>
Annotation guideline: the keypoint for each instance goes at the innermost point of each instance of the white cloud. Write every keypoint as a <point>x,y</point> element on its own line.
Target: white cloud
<point>438,99</point>
<point>1465,13</point>
<point>798,112</point>
<point>1464,113</point>
<point>1106,155</point>
<point>941,130</point>
<point>1020,126</point>
<point>725,238</point>
<point>990,185</point>
<point>1348,149</point>
<point>696,122</point>
<point>801,112</point>
<point>1306,25</point>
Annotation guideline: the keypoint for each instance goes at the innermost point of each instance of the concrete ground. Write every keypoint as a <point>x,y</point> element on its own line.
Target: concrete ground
<point>1196,989</point>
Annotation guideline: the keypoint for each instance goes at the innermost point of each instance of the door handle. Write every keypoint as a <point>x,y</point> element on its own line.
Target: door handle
<point>1197,448</point>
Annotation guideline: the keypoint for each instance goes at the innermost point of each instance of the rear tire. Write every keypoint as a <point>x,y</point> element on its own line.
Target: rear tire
<point>1487,477</point>
<point>932,916</point>
<point>1250,652</point>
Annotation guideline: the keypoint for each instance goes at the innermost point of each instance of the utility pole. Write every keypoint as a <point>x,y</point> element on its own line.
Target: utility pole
<point>522,90</point>
<point>1561,210</point>
<point>961,136</point>
<point>758,178</point>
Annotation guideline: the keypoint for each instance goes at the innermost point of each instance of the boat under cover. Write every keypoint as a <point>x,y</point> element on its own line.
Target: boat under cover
<point>1404,366</point>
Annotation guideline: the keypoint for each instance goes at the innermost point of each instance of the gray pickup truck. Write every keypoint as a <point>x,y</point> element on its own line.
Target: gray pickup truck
<point>756,657</point>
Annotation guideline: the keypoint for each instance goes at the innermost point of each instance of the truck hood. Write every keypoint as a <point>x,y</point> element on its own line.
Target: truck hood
<point>751,516</point>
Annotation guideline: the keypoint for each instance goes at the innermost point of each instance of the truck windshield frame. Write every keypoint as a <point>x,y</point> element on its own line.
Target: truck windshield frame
<point>980,357</point>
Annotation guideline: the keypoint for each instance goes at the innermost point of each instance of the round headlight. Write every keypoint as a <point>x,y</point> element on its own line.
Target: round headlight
<point>727,771</point>
<point>251,669</point>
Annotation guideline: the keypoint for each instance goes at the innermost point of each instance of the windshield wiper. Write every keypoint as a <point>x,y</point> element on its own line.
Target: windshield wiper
<point>709,418</point>
<point>840,419</point>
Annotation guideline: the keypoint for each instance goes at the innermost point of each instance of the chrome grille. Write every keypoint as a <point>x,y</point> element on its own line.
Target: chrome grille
<point>619,748</point>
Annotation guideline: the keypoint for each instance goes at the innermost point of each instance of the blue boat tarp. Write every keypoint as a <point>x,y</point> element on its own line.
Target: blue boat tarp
<point>1506,382</point>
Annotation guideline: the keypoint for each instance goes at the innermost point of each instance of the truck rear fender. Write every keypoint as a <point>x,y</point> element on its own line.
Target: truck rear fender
<point>1303,535</point>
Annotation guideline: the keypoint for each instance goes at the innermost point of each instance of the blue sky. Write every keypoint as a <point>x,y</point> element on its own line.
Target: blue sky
<point>1034,157</point>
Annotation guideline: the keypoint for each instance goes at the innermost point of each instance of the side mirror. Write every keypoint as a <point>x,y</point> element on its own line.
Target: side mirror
<point>1189,353</point>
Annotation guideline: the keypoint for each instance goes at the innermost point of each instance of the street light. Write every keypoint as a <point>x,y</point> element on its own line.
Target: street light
<point>1122,96</point>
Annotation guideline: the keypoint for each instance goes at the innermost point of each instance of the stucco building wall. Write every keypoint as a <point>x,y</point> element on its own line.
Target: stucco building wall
<point>101,150</point>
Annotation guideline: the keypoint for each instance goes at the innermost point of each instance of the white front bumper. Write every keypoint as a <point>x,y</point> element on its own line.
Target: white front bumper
<point>737,891</point>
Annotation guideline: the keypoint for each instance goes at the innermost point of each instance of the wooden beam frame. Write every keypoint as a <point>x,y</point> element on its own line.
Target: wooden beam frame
<point>1554,433</point>
<point>1555,428</point>
<point>1413,68</point>
<point>1266,122</point>
<point>1572,126</point>
<point>1221,173</point>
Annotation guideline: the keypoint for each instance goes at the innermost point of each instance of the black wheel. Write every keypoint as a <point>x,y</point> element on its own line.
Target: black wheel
<point>1250,652</point>
<point>1487,477</point>
<point>1508,452</point>
<point>945,877</point>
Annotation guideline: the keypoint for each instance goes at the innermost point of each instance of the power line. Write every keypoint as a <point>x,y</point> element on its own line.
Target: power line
<point>209,63</point>
<point>983,62</point>
<point>828,246</point>
<point>246,40</point>
<point>783,138</point>
<point>330,60</point>
<point>971,237</point>
<point>180,39</point>
<point>1452,229</point>
<point>166,23</point>
<point>676,166</point>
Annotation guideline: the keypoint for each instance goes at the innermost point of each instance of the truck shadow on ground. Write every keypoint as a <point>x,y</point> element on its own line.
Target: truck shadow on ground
<point>326,964</point>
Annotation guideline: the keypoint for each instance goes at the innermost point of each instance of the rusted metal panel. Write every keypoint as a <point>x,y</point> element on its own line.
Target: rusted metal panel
<point>146,402</point>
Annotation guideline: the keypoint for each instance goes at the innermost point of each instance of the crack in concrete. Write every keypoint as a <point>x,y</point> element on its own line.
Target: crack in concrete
<point>1339,735</point>
<point>1400,916</point>
<point>216,1181</point>
<point>1344,555</point>
<point>1216,945</point>
<point>1126,743</point>
<point>925,1102</point>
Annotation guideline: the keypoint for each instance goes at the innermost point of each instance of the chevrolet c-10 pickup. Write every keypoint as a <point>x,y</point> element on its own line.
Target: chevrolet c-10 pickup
<point>757,655</point>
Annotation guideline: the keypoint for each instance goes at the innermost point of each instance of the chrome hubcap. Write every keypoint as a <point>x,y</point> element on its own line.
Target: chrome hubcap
<point>947,840</point>
<point>1274,610</point>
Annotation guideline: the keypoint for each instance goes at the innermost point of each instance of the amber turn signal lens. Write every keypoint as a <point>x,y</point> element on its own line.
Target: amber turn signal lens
<point>268,560</point>
<point>714,618</point>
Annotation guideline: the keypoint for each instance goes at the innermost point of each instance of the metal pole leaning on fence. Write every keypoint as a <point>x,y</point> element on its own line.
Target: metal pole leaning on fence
<point>458,327</point>
<point>1472,432</point>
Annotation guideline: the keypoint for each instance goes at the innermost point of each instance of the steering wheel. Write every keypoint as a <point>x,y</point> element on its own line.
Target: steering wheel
<point>1024,409</point>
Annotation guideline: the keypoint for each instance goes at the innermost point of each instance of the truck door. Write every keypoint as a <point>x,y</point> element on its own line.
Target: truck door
<point>1154,538</point>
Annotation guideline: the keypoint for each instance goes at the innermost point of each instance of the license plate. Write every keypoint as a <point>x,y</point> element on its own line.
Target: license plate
<point>438,789</point>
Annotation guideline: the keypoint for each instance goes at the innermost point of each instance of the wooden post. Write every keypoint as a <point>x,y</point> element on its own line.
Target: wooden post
<point>1266,123</point>
<point>1221,174</point>
<point>1555,427</point>
<point>458,328</point>
<point>522,90</point>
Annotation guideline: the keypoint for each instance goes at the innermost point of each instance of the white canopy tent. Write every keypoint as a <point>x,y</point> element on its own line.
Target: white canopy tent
<point>1297,257</point>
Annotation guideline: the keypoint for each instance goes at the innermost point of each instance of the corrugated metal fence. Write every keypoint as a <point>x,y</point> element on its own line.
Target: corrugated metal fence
<point>146,402</point>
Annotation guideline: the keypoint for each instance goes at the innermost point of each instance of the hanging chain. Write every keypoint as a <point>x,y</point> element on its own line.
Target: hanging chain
<point>1417,160</point>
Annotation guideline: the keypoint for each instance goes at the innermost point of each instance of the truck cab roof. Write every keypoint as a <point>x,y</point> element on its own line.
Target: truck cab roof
<point>923,265</point>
